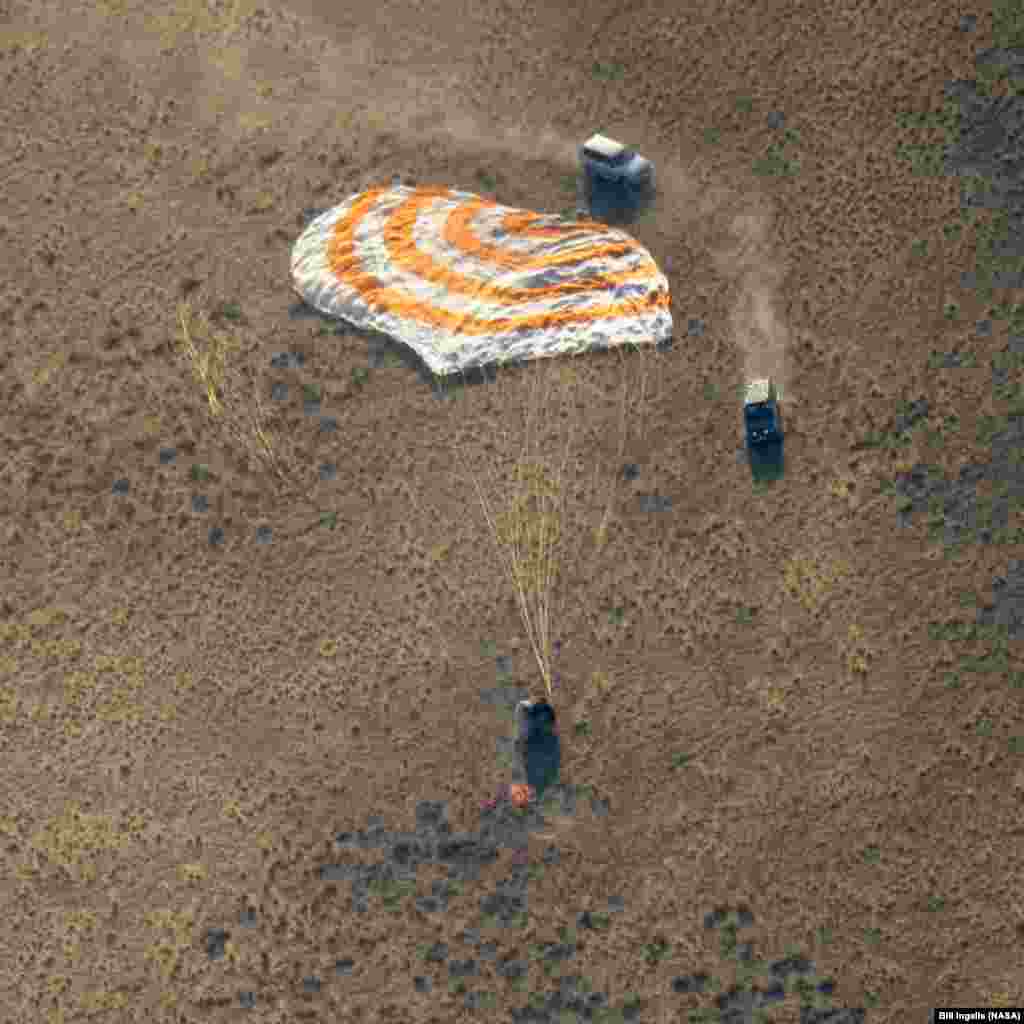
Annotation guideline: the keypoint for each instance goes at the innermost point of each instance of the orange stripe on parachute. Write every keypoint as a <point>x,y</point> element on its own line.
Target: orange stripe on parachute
<point>402,249</point>
<point>344,264</point>
<point>460,236</point>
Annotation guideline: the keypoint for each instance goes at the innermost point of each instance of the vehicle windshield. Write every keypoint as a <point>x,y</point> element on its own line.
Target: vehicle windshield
<point>619,158</point>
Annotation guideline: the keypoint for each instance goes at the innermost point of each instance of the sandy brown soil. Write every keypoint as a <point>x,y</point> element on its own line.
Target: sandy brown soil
<point>185,726</point>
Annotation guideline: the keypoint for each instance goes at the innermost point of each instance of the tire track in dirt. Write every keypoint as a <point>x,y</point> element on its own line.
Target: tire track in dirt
<point>758,330</point>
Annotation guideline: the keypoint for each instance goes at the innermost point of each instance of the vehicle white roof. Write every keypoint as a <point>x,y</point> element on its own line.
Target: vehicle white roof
<point>758,390</point>
<point>603,146</point>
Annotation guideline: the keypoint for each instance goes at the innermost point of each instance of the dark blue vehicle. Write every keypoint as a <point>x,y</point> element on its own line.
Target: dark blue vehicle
<point>762,422</point>
<point>617,182</point>
<point>761,415</point>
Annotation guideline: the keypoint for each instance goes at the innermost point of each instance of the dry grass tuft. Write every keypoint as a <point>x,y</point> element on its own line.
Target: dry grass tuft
<point>209,363</point>
<point>857,652</point>
<point>810,579</point>
<point>242,421</point>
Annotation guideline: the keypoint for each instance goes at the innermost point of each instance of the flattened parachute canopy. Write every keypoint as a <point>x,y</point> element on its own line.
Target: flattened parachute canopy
<point>466,282</point>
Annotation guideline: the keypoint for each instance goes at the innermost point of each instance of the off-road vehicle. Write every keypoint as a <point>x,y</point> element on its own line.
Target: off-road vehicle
<point>607,163</point>
<point>762,417</point>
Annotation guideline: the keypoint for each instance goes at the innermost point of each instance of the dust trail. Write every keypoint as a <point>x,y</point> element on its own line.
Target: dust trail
<point>751,259</point>
<point>530,140</point>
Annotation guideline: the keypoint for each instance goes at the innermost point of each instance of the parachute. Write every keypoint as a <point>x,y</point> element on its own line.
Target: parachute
<point>466,282</point>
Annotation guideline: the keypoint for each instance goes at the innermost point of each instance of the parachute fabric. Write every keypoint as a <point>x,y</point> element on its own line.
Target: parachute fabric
<point>467,282</point>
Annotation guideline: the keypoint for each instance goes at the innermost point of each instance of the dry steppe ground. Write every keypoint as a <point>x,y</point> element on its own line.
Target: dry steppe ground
<point>762,685</point>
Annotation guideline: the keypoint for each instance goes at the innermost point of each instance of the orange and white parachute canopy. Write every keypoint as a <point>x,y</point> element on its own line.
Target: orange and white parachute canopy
<point>466,282</point>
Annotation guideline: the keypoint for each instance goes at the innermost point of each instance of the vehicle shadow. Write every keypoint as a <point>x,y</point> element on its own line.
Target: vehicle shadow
<point>767,462</point>
<point>617,206</point>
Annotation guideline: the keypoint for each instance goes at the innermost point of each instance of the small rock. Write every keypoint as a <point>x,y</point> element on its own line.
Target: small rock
<point>462,968</point>
<point>654,502</point>
<point>264,534</point>
<point>556,951</point>
<point>344,967</point>
<point>311,984</point>
<point>216,535</point>
<point>200,503</point>
<point>216,943</point>
<point>716,918</point>
<point>916,411</point>
<point>512,968</point>
<point>776,119</point>
<point>430,814</point>
<point>791,965</point>
<point>437,953</point>
<point>120,486</point>
<point>279,392</point>
<point>423,984</point>
<point>328,471</point>
<point>685,983</point>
